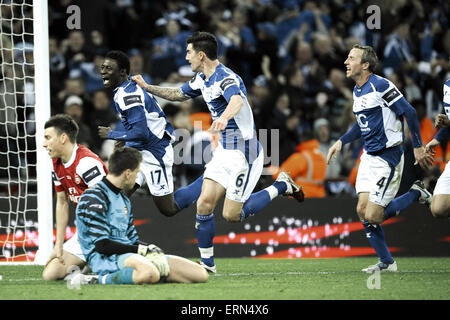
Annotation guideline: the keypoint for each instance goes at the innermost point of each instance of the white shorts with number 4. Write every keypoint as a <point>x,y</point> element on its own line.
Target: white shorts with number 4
<point>380,180</point>
<point>157,173</point>
<point>231,169</point>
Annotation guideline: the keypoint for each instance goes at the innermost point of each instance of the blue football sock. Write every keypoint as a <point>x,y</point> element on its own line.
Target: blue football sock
<point>401,203</point>
<point>281,186</point>
<point>375,235</point>
<point>205,230</point>
<point>124,276</point>
<point>186,196</point>
<point>255,203</point>
<point>258,200</point>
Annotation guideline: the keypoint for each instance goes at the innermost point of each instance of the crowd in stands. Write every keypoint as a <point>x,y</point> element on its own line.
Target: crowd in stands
<point>290,54</point>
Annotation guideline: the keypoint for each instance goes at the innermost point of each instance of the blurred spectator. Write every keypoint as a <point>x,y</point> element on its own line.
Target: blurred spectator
<point>75,49</point>
<point>89,71</point>
<point>397,49</point>
<point>102,115</point>
<point>169,51</point>
<point>322,133</point>
<point>73,106</point>
<point>137,64</point>
<point>307,167</point>
<point>58,70</point>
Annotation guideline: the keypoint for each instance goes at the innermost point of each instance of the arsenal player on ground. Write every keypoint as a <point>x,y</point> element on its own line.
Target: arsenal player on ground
<point>75,168</point>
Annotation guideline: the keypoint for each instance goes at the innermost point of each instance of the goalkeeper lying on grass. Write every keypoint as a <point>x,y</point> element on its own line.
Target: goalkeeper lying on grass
<point>109,240</point>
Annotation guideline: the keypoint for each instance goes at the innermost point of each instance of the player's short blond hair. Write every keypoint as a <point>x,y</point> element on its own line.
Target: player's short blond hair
<point>369,55</point>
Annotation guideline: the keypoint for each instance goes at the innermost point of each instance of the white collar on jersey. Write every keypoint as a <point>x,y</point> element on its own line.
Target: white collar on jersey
<point>72,157</point>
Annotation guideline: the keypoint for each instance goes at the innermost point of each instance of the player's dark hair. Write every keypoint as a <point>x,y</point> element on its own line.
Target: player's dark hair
<point>204,41</point>
<point>121,58</point>
<point>63,123</point>
<point>122,159</point>
<point>369,55</point>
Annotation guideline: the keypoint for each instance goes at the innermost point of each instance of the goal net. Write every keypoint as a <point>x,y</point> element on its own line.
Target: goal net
<point>25,179</point>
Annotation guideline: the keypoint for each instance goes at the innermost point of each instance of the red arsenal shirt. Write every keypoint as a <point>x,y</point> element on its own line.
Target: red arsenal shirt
<point>83,170</point>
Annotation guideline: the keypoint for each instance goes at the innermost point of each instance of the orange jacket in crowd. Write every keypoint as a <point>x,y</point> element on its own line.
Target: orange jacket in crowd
<point>307,167</point>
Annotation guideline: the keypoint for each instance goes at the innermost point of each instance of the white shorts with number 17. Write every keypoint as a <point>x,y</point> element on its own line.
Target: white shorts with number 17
<point>157,172</point>
<point>231,169</point>
<point>380,180</point>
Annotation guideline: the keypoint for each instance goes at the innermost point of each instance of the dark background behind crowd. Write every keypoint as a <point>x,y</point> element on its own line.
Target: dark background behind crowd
<point>290,54</point>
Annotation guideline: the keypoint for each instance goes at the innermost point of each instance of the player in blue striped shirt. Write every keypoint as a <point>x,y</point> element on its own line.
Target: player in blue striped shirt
<point>237,161</point>
<point>108,237</point>
<point>380,108</point>
<point>440,205</point>
<point>145,127</point>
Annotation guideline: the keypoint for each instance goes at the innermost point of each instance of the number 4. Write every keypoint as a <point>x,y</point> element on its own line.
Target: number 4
<point>380,182</point>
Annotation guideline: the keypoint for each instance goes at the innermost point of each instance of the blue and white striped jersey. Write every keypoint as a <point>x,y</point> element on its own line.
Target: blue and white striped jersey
<point>379,123</point>
<point>145,126</point>
<point>104,213</point>
<point>444,133</point>
<point>217,91</point>
<point>240,132</point>
<point>447,98</point>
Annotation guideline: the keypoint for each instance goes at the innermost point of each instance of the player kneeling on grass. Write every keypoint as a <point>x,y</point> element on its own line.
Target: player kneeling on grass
<point>109,240</point>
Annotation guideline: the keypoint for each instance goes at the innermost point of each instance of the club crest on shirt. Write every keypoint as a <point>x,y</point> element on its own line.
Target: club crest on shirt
<point>77,179</point>
<point>125,209</point>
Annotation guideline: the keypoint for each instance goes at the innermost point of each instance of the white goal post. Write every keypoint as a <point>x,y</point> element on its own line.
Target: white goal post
<point>26,204</point>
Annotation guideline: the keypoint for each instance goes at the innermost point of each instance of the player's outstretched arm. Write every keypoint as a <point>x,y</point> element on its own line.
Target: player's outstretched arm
<point>171,94</point>
<point>334,151</point>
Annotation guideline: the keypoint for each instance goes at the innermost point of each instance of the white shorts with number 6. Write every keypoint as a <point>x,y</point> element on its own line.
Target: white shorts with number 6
<point>378,178</point>
<point>231,169</point>
<point>157,172</point>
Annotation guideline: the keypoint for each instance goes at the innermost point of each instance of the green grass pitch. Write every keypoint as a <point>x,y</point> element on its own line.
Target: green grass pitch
<point>256,279</point>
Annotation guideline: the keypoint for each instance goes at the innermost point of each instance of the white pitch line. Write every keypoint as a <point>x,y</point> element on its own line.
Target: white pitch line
<point>320,272</point>
<point>290,273</point>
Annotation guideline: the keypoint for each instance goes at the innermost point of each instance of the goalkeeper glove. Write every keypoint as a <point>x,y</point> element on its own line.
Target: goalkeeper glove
<point>159,260</point>
<point>143,249</point>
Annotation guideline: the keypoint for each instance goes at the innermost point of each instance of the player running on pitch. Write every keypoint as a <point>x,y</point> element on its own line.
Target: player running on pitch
<point>75,168</point>
<point>379,108</point>
<point>147,129</point>
<point>237,162</point>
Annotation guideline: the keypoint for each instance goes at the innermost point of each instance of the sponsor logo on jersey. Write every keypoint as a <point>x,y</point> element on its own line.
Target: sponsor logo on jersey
<point>91,174</point>
<point>132,99</point>
<point>391,95</point>
<point>225,83</point>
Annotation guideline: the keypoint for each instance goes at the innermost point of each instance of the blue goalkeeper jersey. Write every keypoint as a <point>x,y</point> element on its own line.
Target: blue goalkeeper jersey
<point>145,125</point>
<point>104,212</point>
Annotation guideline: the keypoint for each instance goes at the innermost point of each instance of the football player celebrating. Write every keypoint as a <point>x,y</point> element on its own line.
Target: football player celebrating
<point>109,239</point>
<point>237,162</point>
<point>379,108</point>
<point>440,205</point>
<point>75,168</point>
<point>146,128</point>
